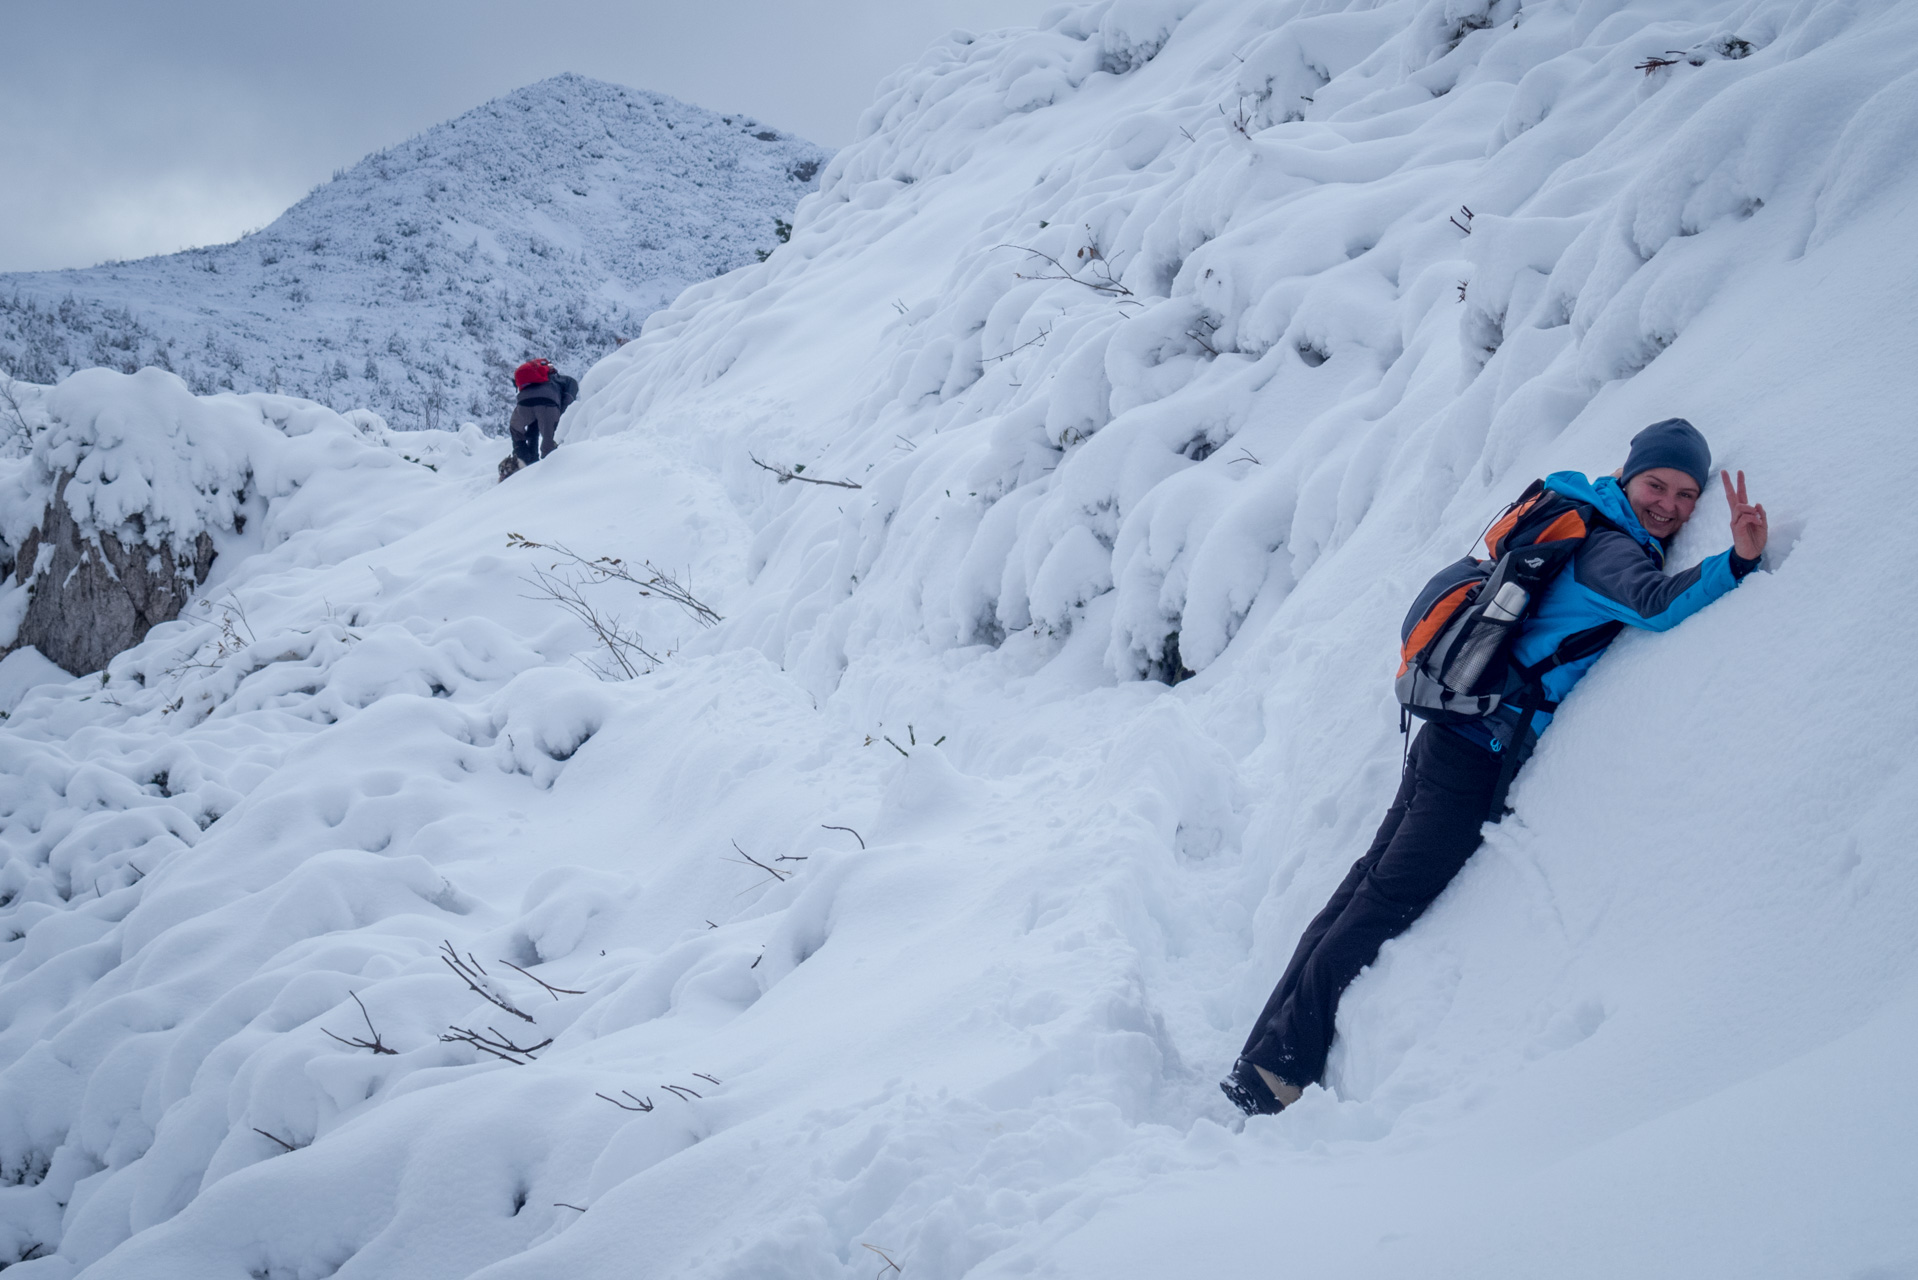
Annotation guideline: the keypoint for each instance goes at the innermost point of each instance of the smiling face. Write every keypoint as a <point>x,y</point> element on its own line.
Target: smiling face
<point>1663,499</point>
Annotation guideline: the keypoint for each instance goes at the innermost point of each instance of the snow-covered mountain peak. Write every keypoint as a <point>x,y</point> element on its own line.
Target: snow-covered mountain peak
<point>550,221</point>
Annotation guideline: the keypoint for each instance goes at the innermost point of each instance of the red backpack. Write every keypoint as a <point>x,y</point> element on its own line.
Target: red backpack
<point>532,373</point>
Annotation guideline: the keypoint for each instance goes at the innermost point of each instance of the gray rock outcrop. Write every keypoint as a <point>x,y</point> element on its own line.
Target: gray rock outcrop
<point>96,597</point>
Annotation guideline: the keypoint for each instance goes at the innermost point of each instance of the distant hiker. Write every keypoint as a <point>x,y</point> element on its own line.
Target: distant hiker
<point>1599,548</point>
<point>544,394</point>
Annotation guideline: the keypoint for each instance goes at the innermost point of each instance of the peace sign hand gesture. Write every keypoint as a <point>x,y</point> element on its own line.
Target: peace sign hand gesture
<point>1748,519</point>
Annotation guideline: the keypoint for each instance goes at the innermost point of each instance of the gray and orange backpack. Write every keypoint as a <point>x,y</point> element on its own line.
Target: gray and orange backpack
<point>1455,660</point>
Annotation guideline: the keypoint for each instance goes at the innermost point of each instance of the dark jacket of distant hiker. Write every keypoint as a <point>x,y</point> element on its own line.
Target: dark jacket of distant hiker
<point>544,394</point>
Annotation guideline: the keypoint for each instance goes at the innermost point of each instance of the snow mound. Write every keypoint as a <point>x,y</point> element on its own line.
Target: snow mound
<point>147,481</point>
<point>549,221</point>
<point>23,670</point>
<point>899,918</point>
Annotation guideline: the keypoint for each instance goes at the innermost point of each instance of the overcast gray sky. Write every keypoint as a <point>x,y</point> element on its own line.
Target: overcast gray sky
<point>130,128</point>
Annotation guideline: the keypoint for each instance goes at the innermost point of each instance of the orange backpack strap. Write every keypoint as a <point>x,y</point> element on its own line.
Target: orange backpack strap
<point>1508,519</point>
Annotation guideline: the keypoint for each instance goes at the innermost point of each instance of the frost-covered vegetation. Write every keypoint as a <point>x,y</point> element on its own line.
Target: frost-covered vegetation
<point>1172,352</point>
<point>124,492</point>
<point>550,221</point>
<point>908,915</point>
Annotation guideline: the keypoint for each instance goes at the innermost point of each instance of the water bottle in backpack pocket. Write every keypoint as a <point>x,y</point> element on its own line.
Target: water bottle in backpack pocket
<point>1455,646</point>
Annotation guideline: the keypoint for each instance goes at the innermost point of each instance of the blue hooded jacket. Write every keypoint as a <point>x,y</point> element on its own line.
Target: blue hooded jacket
<point>1618,575</point>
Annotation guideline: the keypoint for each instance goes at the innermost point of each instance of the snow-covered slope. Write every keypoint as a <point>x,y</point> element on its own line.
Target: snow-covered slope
<point>548,221</point>
<point>897,917</point>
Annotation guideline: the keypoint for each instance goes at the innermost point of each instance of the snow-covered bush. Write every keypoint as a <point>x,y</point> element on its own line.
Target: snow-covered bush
<point>132,488</point>
<point>1211,340</point>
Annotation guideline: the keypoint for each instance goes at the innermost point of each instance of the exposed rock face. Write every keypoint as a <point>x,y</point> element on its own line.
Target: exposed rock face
<point>96,598</point>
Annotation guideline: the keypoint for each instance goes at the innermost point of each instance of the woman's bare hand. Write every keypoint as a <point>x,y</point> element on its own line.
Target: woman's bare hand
<point>1748,519</point>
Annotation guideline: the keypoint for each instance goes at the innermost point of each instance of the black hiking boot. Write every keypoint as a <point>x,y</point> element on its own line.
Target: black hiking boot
<point>1250,1093</point>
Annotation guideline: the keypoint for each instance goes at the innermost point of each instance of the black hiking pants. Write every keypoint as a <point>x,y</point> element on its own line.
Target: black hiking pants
<point>533,426</point>
<point>1432,827</point>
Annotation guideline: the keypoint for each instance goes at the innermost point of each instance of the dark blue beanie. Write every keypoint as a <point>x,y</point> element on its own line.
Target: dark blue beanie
<point>1673,443</point>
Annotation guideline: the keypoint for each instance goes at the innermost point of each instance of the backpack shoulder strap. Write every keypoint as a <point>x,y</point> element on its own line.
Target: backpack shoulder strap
<point>1507,520</point>
<point>1532,700</point>
<point>1578,645</point>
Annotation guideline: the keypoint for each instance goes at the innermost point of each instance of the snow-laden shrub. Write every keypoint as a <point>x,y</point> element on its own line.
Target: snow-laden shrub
<point>132,488</point>
<point>1331,253</point>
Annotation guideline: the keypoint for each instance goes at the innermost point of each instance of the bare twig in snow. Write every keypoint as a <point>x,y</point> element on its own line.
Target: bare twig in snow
<point>777,875</point>
<point>680,1090</point>
<point>1245,455</point>
<point>562,583</point>
<point>561,1204</point>
<point>233,621</point>
<point>703,1076</point>
<point>627,648</point>
<point>890,1264</point>
<point>468,970</point>
<point>497,1044</point>
<point>1102,280</point>
<point>639,1103</point>
<point>551,990</point>
<point>375,1043</point>
<point>792,473</point>
<point>1242,122</point>
<point>848,830</point>
<point>649,578</point>
<point>1037,339</point>
<point>282,1141</point>
<point>237,613</point>
<point>896,747</point>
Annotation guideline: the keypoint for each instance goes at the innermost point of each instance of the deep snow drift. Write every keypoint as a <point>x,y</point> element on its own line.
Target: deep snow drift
<point>549,221</point>
<point>922,922</point>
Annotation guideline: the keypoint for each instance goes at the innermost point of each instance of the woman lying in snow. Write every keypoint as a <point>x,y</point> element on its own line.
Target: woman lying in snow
<point>1456,773</point>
